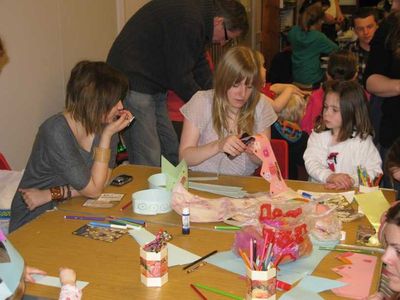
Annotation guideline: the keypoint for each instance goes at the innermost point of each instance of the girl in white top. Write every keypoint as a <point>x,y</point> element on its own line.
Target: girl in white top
<point>216,119</point>
<point>342,140</point>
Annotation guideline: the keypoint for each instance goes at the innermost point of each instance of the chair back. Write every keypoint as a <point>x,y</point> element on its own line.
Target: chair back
<point>3,163</point>
<point>281,151</point>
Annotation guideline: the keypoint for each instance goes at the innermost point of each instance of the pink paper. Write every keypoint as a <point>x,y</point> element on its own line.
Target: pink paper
<point>358,275</point>
<point>269,170</point>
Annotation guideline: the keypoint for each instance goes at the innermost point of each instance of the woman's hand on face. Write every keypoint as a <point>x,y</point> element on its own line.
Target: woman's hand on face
<point>339,181</point>
<point>232,145</point>
<point>34,197</point>
<point>124,120</point>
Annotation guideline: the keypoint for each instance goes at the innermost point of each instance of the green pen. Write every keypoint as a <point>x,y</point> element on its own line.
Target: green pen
<point>226,227</point>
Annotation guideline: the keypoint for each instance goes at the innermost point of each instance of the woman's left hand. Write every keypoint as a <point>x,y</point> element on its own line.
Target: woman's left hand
<point>34,197</point>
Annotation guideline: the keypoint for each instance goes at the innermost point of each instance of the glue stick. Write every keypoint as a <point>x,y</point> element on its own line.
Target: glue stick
<point>185,220</point>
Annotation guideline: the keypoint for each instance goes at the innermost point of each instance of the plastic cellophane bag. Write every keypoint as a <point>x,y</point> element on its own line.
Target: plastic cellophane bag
<point>286,224</point>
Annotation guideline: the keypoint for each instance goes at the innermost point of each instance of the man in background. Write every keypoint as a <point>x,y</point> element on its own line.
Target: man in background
<point>365,22</point>
<point>162,48</point>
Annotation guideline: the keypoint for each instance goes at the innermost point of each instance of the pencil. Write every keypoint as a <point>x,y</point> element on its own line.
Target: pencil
<point>217,291</point>
<point>200,259</point>
<point>126,206</point>
<point>198,292</point>
<point>348,250</point>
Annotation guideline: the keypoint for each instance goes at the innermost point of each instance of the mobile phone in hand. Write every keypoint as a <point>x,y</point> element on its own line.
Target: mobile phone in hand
<point>121,180</point>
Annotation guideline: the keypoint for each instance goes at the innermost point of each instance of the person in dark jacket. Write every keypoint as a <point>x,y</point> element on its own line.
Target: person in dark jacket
<point>162,48</point>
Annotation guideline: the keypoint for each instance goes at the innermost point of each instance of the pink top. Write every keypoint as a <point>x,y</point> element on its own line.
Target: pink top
<point>199,111</point>
<point>313,110</point>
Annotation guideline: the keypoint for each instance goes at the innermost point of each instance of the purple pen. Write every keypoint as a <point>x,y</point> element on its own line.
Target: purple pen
<point>84,218</point>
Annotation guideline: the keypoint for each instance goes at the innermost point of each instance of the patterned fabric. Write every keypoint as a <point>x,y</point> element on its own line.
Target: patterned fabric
<point>288,130</point>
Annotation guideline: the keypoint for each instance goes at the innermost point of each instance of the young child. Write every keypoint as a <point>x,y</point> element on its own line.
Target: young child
<point>342,141</point>
<point>278,94</point>
<point>308,43</point>
<point>392,166</point>
<point>287,128</point>
<point>342,65</point>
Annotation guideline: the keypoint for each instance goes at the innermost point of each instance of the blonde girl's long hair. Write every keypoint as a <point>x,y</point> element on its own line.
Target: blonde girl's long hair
<point>238,64</point>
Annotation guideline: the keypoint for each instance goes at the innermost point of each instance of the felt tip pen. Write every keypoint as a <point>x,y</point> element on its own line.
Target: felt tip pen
<point>84,218</point>
<point>97,224</point>
<point>283,285</point>
<point>200,259</point>
<point>218,227</point>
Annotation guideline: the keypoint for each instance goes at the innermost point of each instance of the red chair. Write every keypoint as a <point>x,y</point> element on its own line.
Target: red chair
<point>281,151</point>
<point>3,163</point>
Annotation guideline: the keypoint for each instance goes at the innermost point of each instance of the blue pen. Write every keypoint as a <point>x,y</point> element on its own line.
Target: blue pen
<point>97,224</point>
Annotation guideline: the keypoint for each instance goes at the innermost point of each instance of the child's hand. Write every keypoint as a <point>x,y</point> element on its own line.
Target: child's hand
<point>29,271</point>
<point>67,276</point>
<point>339,181</point>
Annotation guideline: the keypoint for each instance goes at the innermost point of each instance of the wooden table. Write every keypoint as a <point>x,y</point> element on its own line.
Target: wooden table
<point>112,269</point>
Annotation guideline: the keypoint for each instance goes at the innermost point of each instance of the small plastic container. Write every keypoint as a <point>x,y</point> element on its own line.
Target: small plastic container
<point>325,225</point>
<point>261,284</point>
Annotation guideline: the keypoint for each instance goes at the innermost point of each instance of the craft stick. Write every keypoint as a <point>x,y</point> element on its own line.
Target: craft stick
<point>217,291</point>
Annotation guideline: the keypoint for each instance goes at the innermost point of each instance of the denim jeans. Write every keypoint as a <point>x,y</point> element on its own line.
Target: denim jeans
<point>152,134</point>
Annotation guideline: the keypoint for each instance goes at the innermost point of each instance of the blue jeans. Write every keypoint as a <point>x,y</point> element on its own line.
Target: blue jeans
<point>152,134</point>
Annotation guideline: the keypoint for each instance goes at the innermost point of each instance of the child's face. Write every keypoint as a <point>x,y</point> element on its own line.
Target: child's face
<point>391,257</point>
<point>238,94</point>
<point>331,113</point>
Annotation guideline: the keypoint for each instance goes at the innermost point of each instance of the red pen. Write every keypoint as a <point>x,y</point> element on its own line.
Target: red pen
<point>126,206</point>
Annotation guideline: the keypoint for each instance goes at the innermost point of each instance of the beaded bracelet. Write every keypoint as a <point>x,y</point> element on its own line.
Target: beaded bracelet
<point>57,193</point>
<point>102,155</point>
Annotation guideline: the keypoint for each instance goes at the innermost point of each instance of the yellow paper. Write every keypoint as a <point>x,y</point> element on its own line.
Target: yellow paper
<point>174,174</point>
<point>373,205</point>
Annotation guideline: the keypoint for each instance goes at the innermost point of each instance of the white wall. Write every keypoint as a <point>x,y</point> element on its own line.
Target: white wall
<point>43,40</point>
